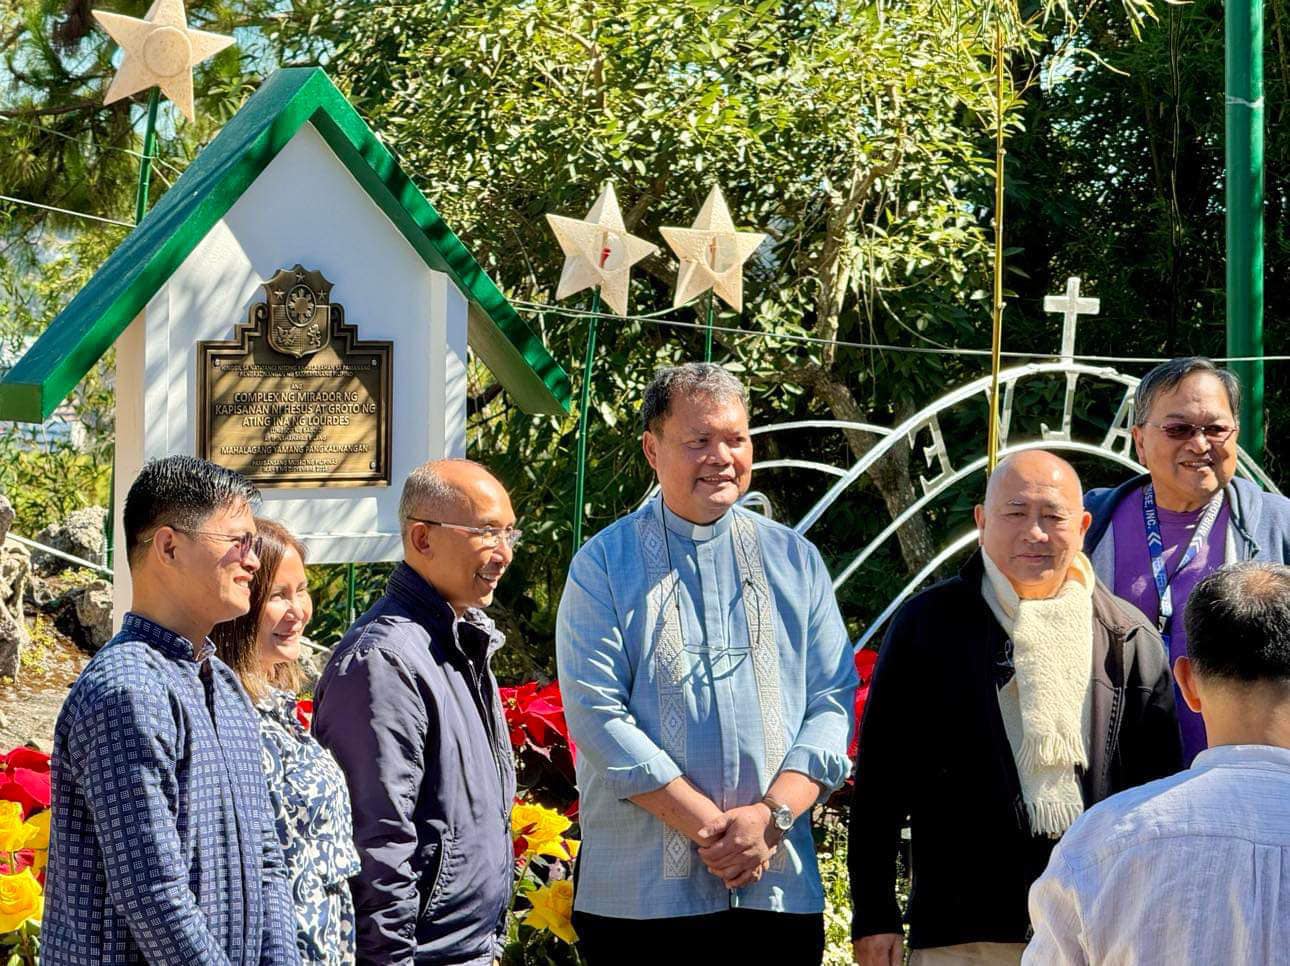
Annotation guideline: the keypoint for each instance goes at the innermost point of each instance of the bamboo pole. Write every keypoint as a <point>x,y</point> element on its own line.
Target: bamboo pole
<point>996,334</point>
<point>149,149</point>
<point>707,328</point>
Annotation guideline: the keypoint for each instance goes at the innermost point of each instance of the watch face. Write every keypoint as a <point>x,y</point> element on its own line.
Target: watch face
<point>783,819</point>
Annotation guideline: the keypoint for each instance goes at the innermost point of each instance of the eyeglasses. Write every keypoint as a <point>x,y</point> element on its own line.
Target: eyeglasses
<point>1214,432</point>
<point>247,543</point>
<point>494,536</point>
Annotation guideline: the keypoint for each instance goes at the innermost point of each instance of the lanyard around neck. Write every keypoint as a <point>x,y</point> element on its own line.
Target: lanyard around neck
<point>1156,549</point>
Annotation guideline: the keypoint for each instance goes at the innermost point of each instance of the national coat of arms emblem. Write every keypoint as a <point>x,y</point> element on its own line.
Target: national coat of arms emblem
<point>299,311</point>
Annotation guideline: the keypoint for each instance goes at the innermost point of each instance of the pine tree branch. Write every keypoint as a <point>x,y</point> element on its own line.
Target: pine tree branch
<point>81,105</point>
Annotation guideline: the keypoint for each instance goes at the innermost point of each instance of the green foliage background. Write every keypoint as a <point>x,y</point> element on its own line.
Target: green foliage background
<point>857,134</point>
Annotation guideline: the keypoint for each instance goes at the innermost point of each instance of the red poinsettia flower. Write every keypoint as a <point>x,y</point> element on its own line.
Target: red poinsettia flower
<point>25,779</point>
<point>24,757</point>
<point>535,714</point>
<point>865,661</point>
<point>304,712</point>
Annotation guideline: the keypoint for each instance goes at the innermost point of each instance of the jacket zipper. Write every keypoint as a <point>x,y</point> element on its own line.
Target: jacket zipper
<point>485,712</point>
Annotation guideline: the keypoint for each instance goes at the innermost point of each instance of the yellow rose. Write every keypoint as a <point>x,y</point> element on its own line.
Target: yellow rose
<point>572,845</point>
<point>38,839</point>
<point>38,830</point>
<point>21,900</point>
<point>541,828</point>
<point>552,909</point>
<point>13,833</point>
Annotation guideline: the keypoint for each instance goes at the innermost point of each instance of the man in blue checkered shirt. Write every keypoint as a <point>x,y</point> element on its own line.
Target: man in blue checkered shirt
<point>162,846</point>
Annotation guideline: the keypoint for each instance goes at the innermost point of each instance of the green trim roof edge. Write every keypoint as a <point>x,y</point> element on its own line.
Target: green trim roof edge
<point>218,176</point>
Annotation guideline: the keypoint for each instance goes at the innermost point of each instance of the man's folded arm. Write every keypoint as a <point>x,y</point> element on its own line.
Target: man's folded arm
<point>123,752</point>
<point>372,719</point>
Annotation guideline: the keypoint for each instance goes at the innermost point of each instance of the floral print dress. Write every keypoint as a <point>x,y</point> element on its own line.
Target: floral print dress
<point>311,807</point>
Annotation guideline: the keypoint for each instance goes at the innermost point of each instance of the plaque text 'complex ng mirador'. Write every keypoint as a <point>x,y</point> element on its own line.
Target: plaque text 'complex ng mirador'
<point>295,398</point>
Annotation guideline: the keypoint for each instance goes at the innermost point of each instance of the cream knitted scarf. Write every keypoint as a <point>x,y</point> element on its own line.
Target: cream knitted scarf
<point>1046,706</point>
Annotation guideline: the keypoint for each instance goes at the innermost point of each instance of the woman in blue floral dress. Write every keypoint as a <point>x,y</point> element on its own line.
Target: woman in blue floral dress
<point>306,786</point>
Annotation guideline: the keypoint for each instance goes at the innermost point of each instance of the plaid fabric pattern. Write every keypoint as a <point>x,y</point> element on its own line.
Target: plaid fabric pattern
<point>162,844</point>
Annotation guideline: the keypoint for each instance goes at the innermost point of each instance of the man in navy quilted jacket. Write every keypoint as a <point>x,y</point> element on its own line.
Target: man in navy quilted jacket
<point>409,707</point>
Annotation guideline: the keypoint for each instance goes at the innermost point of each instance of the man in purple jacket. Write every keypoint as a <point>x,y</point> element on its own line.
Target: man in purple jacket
<point>409,707</point>
<point>1154,537</point>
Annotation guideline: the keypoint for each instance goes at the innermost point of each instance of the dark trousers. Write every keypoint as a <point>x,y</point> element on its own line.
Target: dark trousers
<point>733,936</point>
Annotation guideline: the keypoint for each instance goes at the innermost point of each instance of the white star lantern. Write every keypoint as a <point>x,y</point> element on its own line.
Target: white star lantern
<point>160,51</point>
<point>598,251</point>
<point>712,254</point>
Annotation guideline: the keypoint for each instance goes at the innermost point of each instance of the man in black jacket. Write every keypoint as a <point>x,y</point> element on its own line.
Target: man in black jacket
<point>1005,701</point>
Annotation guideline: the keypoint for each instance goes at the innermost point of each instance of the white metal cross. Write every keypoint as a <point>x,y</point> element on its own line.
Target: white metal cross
<point>1072,307</point>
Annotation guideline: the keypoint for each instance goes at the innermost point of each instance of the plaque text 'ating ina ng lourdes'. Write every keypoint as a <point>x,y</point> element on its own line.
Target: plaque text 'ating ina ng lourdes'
<point>295,398</point>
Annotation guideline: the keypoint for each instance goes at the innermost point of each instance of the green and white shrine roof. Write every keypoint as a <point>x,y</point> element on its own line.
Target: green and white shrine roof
<point>220,174</point>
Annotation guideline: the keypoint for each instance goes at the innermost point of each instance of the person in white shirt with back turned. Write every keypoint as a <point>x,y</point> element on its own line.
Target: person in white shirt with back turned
<point>1193,870</point>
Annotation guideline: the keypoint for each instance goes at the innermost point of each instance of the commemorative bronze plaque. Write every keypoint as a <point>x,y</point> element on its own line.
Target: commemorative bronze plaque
<point>295,398</point>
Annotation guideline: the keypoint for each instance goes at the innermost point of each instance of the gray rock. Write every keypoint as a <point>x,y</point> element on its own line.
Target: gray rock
<point>15,569</point>
<point>13,640</point>
<point>311,667</point>
<point>40,592</point>
<point>80,534</point>
<point>93,607</point>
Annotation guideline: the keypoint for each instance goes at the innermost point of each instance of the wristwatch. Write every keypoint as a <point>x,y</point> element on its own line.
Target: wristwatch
<point>781,816</point>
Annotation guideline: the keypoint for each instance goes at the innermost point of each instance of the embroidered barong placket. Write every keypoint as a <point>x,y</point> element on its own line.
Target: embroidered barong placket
<point>664,616</point>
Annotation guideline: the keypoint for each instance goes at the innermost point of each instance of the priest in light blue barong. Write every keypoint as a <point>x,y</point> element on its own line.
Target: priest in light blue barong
<point>708,682</point>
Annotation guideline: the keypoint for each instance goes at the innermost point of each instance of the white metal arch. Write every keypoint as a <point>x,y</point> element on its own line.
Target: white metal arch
<point>976,466</point>
<point>1245,466</point>
<point>828,469</point>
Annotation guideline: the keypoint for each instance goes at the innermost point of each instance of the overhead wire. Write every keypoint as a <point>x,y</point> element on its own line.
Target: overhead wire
<point>65,211</point>
<point>659,318</point>
<point>654,318</point>
<point>102,147</point>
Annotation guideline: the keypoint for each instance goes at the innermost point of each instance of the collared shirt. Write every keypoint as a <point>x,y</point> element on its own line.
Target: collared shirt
<point>1191,869</point>
<point>609,679</point>
<point>162,844</point>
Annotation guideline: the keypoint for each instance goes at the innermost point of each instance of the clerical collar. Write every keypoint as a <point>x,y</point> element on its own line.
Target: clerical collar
<point>698,532</point>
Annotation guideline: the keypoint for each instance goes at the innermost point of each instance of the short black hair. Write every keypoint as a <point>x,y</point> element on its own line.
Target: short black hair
<point>689,379</point>
<point>1166,377</point>
<point>180,492</point>
<point>1238,623</point>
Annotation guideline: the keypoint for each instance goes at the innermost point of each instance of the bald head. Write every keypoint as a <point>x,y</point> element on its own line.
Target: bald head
<point>1038,467</point>
<point>444,490</point>
<point>1032,522</point>
<point>457,525</point>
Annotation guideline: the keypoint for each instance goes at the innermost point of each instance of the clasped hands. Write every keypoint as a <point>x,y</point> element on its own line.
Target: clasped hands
<point>740,845</point>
